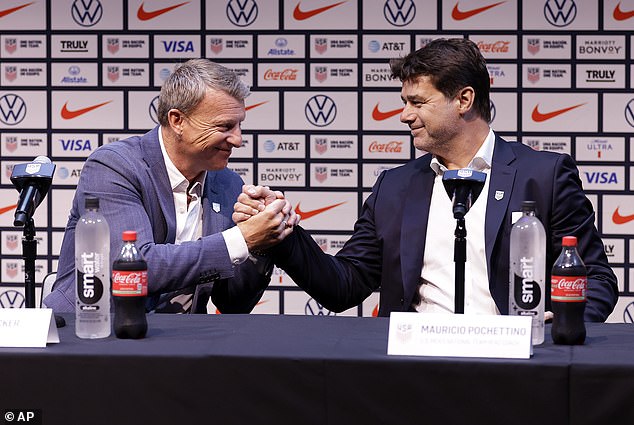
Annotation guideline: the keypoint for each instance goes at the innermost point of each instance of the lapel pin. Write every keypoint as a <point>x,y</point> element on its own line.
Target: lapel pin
<point>215,206</point>
<point>499,194</point>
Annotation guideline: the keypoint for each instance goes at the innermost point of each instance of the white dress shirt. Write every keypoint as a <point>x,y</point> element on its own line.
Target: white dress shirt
<point>437,290</point>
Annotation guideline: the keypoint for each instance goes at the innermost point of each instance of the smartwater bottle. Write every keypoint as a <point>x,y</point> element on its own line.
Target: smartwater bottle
<point>92,273</point>
<point>528,270</point>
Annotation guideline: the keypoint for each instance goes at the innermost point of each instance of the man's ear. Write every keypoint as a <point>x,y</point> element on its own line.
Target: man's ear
<point>465,99</point>
<point>175,118</point>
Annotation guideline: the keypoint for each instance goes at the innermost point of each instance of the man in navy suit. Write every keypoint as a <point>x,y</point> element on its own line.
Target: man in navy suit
<point>172,186</point>
<point>403,241</point>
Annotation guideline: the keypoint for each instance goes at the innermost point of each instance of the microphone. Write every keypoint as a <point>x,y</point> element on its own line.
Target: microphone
<point>32,180</point>
<point>463,187</point>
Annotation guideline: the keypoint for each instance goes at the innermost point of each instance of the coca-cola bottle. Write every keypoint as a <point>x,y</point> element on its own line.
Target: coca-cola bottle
<point>129,290</point>
<point>568,295</point>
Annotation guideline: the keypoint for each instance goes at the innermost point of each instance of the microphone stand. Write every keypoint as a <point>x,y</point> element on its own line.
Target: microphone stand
<point>460,258</point>
<point>29,252</point>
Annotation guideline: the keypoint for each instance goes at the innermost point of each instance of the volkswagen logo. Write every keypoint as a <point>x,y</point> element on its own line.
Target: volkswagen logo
<point>320,110</point>
<point>629,112</point>
<point>313,308</point>
<point>399,12</point>
<point>560,13</point>
<point>153,110</point>
<point>12,109</point>
<point>11,299</point>
<point>86,12</point>
<point>628,313</point>
<point>242,13</point>
<point>492,110</point>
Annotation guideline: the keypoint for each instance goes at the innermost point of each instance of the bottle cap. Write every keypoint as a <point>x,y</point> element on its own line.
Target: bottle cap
<point>528,205</point>
<point>129,235</point>
<point>91,202</point>
<point>569,241</point>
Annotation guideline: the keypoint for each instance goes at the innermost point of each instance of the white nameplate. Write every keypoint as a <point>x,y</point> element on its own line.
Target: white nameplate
<point>459,335</point>
<point>27,327</point>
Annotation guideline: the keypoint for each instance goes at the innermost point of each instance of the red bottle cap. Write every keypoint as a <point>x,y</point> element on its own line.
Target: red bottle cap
<point>129,235</point>
<point>569,241</point>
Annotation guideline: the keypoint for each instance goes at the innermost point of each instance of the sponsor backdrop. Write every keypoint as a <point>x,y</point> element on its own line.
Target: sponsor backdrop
<point>323,118</point>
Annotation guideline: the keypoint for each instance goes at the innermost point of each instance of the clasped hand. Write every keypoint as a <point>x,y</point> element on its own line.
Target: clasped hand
<point>265,217</point>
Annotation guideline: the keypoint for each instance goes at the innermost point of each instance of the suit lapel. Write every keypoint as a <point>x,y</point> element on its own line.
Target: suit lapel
<point>213,221</point>
<point>157,172</point>
<point>414,225</point>
<point>500,189</point>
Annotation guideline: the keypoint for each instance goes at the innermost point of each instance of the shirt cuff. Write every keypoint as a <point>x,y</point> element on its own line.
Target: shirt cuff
<point>236,245</point>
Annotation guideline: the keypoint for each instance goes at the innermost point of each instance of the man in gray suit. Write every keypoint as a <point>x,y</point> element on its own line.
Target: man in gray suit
<point>172,186</point>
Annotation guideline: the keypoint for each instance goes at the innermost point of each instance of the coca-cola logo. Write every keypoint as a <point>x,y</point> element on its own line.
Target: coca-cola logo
<point>496,47</point>
<point>284,75</point>
<point>394,146</point>
<point>578,284</point>
<point>126,278</point>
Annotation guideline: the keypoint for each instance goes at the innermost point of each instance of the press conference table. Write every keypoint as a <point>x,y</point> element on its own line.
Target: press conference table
<point>266,369</point>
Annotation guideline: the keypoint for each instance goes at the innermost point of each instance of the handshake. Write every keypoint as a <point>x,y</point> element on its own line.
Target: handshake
<point>265,217</point>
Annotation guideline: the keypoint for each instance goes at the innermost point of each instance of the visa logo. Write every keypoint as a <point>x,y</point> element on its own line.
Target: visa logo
<point>76,144</point>
<point>178,46</point>
<point>601,177</point>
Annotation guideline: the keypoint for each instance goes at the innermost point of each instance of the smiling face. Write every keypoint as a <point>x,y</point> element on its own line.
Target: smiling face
<point>206,136</point>
<point>434,119</point>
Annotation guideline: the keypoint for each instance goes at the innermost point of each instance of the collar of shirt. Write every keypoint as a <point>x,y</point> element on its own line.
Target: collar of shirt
<point>481,161</point>
<point>178,182</point>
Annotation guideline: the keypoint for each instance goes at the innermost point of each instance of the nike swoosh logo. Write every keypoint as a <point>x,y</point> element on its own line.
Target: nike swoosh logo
<point>308,214</point>
<point>7,209</point>
<point>540,117</point>
<point>144,15</point>
<point>67,114</point>
<point>617,218</point>
<point>380,116</point>
<point>6,12</point>
<point>461,15</point>
<point>302,15</point>
<point>620,15</point>
<point>255,106</point>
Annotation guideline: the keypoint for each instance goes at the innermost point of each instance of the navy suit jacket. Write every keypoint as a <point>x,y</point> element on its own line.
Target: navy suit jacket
<point>130,179</point>
<point>387,246</point>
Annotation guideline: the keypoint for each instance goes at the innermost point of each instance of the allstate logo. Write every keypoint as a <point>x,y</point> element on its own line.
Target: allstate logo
<point>313,308</point>
<point>74,70</point>
<point>153,110</point>
<point>63,172</point>
<point>399,12</point>
<point>281,42</point>
<point>560,13</point>
<point>269,146</point>
<point>11,299</point>
<point>629,113</point>
<point>86,12</point>
<point>374,46</point>
<point>320,110</point>
<point>12,109</point>
<point>242,13</point>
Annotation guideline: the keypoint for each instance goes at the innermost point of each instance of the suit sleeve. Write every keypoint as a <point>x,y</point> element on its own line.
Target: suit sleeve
<point>573,215</point>
<point>341,281</point>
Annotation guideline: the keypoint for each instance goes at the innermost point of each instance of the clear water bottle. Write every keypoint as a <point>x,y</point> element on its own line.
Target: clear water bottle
<point>528,270</point>
<point>92,273</point>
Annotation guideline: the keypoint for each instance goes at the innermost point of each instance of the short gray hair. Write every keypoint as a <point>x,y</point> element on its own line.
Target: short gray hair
<point>185,88</point>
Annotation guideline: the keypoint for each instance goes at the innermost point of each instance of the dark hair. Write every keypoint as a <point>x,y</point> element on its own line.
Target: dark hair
<point>451,64</point>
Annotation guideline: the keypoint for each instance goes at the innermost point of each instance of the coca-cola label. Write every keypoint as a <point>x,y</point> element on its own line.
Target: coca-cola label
<point>126,283</point>
<point>568,288</point>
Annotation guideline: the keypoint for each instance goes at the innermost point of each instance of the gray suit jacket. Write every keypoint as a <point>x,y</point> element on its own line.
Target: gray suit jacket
<point>130,179</point>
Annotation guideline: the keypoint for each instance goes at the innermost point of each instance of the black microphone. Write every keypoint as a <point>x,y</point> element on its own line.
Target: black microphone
<point>32,180</point>
<point>463,187</point>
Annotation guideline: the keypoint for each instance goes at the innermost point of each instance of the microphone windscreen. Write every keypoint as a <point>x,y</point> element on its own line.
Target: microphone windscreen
<point>42,159</point>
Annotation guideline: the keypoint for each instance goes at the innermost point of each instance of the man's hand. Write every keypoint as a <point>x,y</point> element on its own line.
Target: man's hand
<point>254,199</point>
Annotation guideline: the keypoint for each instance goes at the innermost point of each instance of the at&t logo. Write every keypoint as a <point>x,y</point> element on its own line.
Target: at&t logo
<point>313,308</point>
<point>320,110</point>
<point>399,12</point>
<point>86,12</point>
<point>560,13</point>
<point>12,109</point>
<point>242,13</point>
